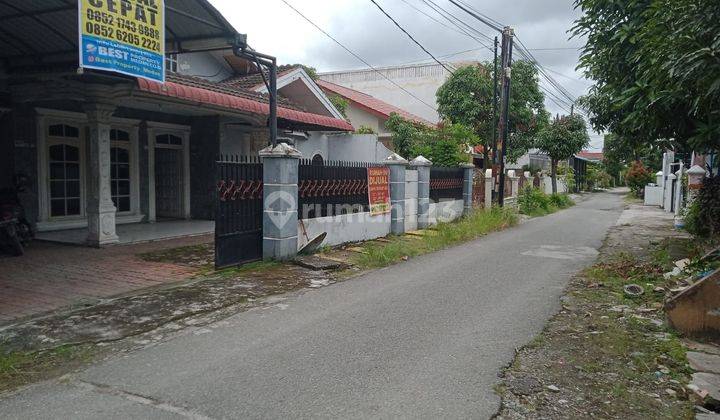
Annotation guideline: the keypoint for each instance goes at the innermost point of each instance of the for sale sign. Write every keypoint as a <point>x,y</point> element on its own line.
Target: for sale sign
<point>379,190</point>
<point>124,36</point>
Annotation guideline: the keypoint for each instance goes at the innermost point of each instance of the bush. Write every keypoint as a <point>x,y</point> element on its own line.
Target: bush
<point>561,201</point>
<point>637,177</point>
<point>702,217</point>
<point>534,202</point>
<point>364,129</point>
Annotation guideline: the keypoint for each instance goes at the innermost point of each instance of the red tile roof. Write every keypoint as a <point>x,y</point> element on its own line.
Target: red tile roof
<point>586,154</point>
<point>251,81</point>
<point>200,90</point>
<point>370,103</point>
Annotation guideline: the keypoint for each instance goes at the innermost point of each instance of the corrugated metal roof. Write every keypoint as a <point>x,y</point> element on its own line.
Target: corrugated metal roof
<point>40,27</point>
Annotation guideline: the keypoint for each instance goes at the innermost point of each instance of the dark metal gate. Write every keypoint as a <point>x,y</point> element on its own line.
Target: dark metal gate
<point>238,213</point>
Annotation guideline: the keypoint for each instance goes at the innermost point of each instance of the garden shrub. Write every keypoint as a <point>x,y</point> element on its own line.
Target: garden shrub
<point>637,177</point>
<point>702,217</point>
<point>534,202</point>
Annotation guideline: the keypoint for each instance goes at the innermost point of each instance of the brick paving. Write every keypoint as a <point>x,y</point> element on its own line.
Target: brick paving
<point>52,276</point>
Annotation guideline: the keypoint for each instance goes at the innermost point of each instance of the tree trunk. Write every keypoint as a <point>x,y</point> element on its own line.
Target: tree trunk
<point>553,174</point>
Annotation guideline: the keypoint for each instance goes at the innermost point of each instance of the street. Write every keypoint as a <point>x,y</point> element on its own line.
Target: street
<point>422,339</point>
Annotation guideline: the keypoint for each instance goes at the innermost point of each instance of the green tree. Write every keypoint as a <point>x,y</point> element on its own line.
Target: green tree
<point>656,69</point>
<point>339,103</point>
<point>467,98</point>
<point>561,139</point>
<point>444,145</point>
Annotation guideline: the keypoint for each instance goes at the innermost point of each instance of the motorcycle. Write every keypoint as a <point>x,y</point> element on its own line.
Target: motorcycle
<point>15,231</point>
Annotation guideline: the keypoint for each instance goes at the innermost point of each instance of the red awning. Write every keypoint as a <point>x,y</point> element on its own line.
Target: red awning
<point>224,100</point>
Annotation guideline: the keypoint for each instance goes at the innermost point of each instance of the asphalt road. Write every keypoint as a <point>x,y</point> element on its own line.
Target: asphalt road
<point>422,339</point>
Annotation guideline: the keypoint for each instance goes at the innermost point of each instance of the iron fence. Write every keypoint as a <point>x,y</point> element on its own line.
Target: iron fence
<point>332,189</point>
<point>446,183</point>
<point>238,213</point>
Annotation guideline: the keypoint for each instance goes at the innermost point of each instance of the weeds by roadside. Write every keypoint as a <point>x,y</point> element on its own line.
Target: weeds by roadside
<point>534,202</point>
<point>608,353</point>
<point>479,223</point>
<point>19,368</point>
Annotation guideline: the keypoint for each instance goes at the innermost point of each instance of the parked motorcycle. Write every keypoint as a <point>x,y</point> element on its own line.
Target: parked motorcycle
<point>15,231</point>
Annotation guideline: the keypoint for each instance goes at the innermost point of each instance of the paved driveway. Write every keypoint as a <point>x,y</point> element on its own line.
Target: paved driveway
<point>422,339</point>
<point>53,276</point>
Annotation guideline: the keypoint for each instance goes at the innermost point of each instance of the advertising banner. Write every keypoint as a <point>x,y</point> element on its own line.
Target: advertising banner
<point>124,36</point>
<point>379,190</point>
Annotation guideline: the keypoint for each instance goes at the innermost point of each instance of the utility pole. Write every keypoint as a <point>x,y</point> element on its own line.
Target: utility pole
<point>495,154</point>
<point>506,58</point>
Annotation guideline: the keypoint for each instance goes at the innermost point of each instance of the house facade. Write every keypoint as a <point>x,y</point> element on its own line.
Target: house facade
<point>100,149</point>
<point>364,110</point>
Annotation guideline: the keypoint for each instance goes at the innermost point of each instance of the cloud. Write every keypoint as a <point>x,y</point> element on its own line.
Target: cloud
<point>274,28</point>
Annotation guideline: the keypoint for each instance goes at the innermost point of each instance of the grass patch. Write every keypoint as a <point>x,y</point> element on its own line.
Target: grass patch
<point>479,223</point>
<point>20,368</point>
<point>534,202</point>
<point>247,268</point>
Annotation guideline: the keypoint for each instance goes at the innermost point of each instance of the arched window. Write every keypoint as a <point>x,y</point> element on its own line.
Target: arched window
<point>317,160</point>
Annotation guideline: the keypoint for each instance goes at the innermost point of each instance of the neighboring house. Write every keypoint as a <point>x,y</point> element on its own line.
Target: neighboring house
<point>102,149</point>
<point>364,110</point>
<point>594,157</point>
<point>295,85</point>
<point>422,80</point>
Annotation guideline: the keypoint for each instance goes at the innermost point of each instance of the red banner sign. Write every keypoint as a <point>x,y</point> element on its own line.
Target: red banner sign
<point>379,190</point>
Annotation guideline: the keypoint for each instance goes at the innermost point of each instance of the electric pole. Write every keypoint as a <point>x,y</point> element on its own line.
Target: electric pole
<point>506,58</point>
<point>494,155</point>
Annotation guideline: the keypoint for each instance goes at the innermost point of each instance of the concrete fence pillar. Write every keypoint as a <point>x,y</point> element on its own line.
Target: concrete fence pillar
<point>488,188</point>
<point>280,201</point>
<point>659,178</point>
<point>668,192</point>
<point>678,190</point>
<point>422,166</point>
<point>397,165</point>
<point>468,169</point>
<point>696,174</point>
<point>514,182</point>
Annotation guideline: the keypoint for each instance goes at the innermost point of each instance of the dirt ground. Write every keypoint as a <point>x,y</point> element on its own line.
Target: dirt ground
<point>607,354</point>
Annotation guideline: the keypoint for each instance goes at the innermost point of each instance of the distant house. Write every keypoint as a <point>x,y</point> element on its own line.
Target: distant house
<point>594,157</point>
<point>421,80</point>
<point>367,111</point>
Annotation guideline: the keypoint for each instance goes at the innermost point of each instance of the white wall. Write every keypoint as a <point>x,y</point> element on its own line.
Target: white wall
<point>202,64</point>
<point>422,80</point>
<point>345,228</point>
<point>547,184</point>
<point>445,211</point>
<point>653,195</point>
<point>411,200</point>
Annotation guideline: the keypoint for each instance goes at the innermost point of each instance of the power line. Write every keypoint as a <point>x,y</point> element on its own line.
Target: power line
<point>357,56</point>
<point>410,36</point>
<point>442,56</point>
<point>459,23</point>
<point>479,16</point>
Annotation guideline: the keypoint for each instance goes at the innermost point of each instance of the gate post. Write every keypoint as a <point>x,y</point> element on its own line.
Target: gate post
<point>468,169</point>
<point>488,188</point>
<point>423,169</point>
<point>280,201</point>
<point>397,164</point>
<point>515,182</point>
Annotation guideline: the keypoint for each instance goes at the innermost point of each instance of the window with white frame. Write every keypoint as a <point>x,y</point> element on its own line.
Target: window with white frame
<point>171,63</point>
<point>120,170</point>
<point>64,170</point>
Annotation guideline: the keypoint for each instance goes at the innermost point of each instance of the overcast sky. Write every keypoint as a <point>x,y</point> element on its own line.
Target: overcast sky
<point>274,28</point>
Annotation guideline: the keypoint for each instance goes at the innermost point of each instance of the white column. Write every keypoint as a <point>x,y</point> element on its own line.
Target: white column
<point>100,208</point>
<point>488,188</point>
<point>678,191</point>
<point>668,193</point>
